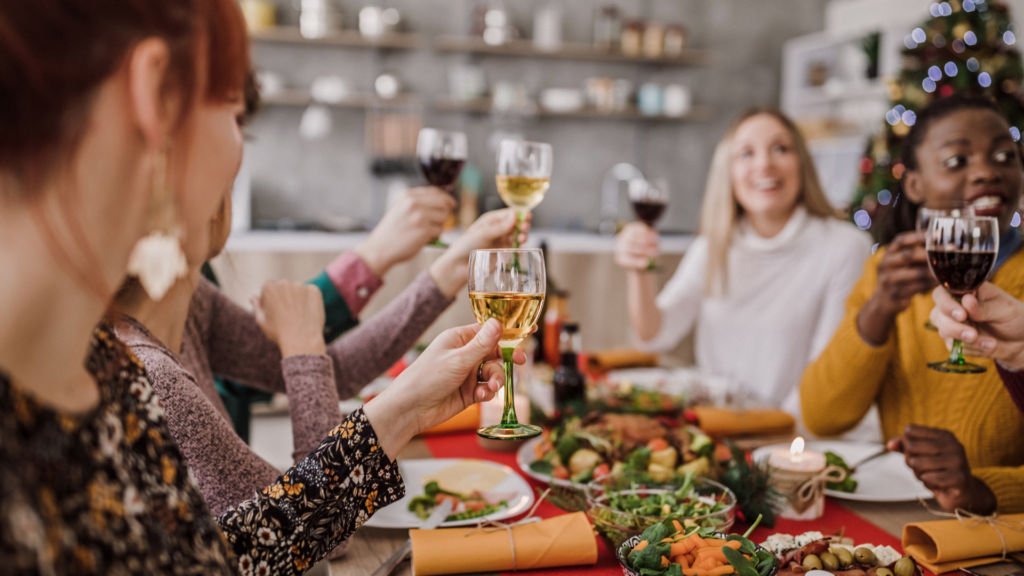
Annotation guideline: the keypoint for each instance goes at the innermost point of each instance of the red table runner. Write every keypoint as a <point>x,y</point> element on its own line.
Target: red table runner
<point>836,518</point>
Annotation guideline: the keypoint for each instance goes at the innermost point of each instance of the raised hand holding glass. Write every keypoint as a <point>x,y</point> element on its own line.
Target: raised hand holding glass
<point>523,176</point>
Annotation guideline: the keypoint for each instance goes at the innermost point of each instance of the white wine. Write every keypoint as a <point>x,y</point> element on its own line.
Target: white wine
<point>517,313</point>
<point>522,192</point>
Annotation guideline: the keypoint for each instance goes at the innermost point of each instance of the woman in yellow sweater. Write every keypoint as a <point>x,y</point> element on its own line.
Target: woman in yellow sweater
<point>961,434</point>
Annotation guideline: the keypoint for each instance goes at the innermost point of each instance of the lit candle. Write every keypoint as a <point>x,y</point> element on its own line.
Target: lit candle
<point>796,458</point>
<point>790,470</point>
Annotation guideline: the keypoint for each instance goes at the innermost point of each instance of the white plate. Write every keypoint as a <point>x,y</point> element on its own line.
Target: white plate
<point>398,515</point>
<point>884,479</point>
<point>527,455</point>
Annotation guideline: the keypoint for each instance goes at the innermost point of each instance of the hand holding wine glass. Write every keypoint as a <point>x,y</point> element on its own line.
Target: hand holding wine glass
<point>416,217</point>
<point>441,156</point>
<point>523,175</point>
<point>961,255</point>
<point>649,199</point>
<point>508,285</point>
<point>636,246</point>
<point>902,273</point>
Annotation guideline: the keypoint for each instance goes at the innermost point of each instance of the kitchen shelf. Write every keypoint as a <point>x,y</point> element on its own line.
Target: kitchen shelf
<point>483,106</point>
<point>568,51</point>
<point>340,38</point>
<point>295,97</point>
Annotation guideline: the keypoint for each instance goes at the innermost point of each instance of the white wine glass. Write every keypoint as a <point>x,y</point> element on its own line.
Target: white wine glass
<point>523,176</point>
<point>508,285</point>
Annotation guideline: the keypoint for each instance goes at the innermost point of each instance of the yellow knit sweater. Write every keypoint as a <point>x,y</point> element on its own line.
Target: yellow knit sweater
<point>841,385</point>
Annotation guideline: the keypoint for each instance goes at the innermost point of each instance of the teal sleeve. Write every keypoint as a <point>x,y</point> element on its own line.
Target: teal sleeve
<point>339,317</point>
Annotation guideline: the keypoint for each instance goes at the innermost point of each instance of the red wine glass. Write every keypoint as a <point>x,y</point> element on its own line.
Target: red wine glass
<point>649,199</point>
<point>441,156</point>
<point>961,255</point>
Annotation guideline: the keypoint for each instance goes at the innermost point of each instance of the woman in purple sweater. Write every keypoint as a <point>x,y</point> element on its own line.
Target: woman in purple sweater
<point>196,331</point>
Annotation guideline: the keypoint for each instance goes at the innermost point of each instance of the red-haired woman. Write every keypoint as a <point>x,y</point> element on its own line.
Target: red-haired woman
<point>118,119</point>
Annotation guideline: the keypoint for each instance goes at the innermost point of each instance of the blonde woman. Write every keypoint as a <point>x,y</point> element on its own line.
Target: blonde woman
<point>764,283</point>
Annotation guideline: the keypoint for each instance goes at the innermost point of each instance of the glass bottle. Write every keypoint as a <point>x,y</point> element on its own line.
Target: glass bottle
<point>569,383</point>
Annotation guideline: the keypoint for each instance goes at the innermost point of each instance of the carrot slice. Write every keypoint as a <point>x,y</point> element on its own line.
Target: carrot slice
<point>712,553</point>
<point>679,527</point>
<point>722,570</point>
<point>681,560</point>
<point>678,549</point>
<point>664,561</point>
<point>639,547</point>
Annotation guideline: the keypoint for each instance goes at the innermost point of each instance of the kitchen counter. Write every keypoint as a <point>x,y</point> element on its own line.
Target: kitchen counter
<point>284,241</point>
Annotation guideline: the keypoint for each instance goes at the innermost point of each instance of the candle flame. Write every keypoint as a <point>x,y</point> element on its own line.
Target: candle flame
<point>797,448</point>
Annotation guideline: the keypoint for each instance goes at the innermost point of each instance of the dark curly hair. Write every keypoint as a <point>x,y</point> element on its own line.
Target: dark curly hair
<point>902,215</point>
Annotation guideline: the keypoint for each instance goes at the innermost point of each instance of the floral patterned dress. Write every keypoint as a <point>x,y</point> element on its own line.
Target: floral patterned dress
<point>108,492</point>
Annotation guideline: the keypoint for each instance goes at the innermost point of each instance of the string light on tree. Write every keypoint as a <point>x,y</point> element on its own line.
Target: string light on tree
<point>965,47</point>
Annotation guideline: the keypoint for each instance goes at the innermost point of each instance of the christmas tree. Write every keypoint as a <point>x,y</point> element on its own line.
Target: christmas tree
<point>964,48</point>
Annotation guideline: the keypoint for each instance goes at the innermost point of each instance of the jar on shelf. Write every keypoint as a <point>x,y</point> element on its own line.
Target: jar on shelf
<point>607,28</point>
<point>675,41</point>
<point>654,40</point>
<point>631,43</point>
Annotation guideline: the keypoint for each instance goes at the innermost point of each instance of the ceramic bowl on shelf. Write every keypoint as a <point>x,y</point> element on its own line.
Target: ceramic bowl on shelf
<point>618,525</point>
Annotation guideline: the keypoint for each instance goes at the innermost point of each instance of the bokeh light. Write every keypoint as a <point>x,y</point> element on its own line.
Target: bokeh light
<point>984,79</point>
<point>939,40</point>
<point>918,35</point>
<point>909,42</point>
<point>950,69</point>
<point>972,64</point>
<point>892,117</point>
<point>1009,38</point>
<point>970,38</point>
<point>928,85</point>
<point>884,197</point>
<point>1016,220</point>
<point>862,220</point>
<point>935,73</point>
<point>909,118</point>
<point>958,46</point>
<point>1015,133</point>
<point>968,6</point>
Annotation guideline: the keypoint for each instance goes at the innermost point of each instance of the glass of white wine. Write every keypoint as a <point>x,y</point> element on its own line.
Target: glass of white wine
<point>508,285</point>
<point>523,176</point>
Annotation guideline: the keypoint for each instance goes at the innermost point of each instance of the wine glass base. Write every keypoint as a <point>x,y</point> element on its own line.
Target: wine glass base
<point>954,368</point>
<point>437,244</point>
<point>509,432</point>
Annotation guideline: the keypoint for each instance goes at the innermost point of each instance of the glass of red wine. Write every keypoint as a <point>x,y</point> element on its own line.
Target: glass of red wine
<point>650,199</point>
<point>961,255</point>
<point>926,212</point>
<point>441,156</point>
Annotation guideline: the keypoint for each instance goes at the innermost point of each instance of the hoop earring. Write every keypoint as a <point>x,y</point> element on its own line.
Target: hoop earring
<point>157,259</point>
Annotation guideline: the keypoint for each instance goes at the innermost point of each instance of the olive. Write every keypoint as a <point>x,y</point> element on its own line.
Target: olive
<point>812,562</point>
<point>829,561</point>
<point>904,567</point>
<point>864,556</point>
<point>844,555</point>
<point>883,572</point>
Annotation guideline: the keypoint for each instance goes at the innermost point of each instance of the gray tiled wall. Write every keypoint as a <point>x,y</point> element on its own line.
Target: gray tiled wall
<point>297,179</point>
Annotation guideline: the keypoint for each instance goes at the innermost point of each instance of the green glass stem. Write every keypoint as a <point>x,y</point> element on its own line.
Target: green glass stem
<point>520,216</point>
<point>956,354</point>
<point>508,416</point>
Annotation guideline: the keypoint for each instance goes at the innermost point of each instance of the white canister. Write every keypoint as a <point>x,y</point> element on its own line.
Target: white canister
<point>547,28</point>
<point>677,100</point>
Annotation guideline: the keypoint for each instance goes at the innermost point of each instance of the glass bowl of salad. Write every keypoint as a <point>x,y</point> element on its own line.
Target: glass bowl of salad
<point>625,504</point>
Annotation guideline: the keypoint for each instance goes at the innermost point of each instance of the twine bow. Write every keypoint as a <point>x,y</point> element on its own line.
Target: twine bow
<point>970,520</point>
<point>814,487</point>
<point>488,526</point>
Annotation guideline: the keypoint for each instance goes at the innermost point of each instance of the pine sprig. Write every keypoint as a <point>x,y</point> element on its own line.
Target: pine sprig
<point>751,482</point>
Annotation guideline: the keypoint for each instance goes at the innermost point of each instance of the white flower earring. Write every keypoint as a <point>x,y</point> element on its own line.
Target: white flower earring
<point>157,259</point>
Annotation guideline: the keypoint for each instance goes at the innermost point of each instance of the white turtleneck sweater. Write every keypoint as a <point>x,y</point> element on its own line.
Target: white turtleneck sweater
<point>785,297</point>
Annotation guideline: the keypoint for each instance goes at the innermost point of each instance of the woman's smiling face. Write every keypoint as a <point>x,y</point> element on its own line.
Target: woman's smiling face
<point>969,156</point>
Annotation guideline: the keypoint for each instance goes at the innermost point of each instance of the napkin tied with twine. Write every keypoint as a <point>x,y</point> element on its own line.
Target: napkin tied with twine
<point>566,540</point>
<point>964,541</point>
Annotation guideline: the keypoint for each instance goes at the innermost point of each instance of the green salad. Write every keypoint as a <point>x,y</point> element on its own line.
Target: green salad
<point>684,502</point>
<point>848,485</point>
<point>464,507</point>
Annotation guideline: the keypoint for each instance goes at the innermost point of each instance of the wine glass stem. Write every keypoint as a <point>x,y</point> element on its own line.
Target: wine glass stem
<point>956,353</point>
<point>520,216</point>
<point>508,416</point>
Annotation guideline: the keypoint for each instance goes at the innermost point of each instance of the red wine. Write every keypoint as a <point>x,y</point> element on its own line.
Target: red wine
<point>441,172</point>
<point>961,272</point>
<point>648,212</point>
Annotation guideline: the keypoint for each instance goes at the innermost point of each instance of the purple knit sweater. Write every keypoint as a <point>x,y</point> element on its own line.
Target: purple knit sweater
<point>222,338</point>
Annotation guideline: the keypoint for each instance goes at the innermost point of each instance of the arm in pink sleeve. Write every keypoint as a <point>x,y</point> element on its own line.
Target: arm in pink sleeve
<point>364,353</point>
<point>354,280</point>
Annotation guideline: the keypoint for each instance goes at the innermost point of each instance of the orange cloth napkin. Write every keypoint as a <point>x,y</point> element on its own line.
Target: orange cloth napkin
<point>945,545</point>
<point>566,540</point>
<point>468,419</point>
<point>614,359</point>
<point>726,423</point>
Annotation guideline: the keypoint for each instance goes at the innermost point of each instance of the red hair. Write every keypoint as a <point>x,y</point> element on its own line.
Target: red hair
<point>54,55</point>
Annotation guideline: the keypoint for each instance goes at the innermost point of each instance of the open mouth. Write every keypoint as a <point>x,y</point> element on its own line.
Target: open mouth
<point>988,204</point>
<point>767,184</point>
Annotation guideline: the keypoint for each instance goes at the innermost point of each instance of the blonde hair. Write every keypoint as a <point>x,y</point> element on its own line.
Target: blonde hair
<point>721,212</point>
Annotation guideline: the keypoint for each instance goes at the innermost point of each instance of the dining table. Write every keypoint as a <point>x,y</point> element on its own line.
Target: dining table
<point>875,522</point>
